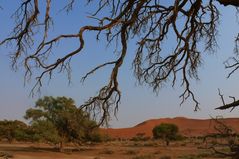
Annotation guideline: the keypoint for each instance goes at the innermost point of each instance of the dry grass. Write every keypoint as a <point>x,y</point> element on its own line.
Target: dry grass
<point>131,152</point>
<point>113,150</point>
<point>107,152</point>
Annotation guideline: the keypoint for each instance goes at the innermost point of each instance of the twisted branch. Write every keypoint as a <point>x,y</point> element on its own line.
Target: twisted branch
<point>189,22</point>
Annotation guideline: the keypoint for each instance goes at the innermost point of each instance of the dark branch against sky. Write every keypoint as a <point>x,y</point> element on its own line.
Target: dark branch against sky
<point>183,63</point>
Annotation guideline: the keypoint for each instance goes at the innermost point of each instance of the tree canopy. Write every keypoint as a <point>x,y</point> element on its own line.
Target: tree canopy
<point>192,23</point>
<point>62,118</point>
<point>12,130</point>
<point>166,132</point>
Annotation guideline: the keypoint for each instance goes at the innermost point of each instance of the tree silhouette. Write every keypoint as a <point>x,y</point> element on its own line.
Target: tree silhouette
<point>192,23</point>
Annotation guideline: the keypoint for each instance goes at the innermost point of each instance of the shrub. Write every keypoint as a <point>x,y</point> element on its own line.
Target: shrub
<point>140,137</point>
<point>165,131</point>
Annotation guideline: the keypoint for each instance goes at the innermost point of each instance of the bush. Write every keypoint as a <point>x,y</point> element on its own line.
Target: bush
<point>94,137</point>
<point>166,132</point>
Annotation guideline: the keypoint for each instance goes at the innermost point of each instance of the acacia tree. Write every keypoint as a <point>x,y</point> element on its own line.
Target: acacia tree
<point>165,131</point>
<point>66,122</point>
<point>13,130</point>
<point>191,22</point>
<point>44,131</point>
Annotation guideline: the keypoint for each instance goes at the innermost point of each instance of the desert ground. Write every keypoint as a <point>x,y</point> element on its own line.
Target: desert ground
<point>187,149</point>
<point>125,144</point>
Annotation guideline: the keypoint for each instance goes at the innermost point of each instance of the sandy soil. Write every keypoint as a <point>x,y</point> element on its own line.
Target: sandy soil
<point>112,150</point>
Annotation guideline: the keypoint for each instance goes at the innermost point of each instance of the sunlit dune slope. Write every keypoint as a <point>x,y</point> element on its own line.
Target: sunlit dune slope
<point>187,127</point>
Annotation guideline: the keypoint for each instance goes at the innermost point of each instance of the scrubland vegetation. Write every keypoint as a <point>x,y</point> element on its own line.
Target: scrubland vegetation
<point>55,127</point>
<point>42,140</point>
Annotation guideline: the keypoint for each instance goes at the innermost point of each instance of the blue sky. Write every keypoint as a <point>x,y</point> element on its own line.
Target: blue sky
<point>138,103</point>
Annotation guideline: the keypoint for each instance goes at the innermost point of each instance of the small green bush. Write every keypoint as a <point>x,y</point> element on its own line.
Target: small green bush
<point>166,131</point>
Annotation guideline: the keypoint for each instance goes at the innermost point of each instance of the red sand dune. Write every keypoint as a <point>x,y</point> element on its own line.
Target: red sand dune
<point>187,127</point>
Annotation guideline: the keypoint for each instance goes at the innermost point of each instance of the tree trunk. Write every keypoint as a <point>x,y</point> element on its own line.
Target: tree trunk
<point>167,142</point>
<point>61,148</point>
<point>229,2</point>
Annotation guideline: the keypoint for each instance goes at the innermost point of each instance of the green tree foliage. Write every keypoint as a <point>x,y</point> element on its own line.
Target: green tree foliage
<point>13,130</point>
<point>58,120</point>
<point>165,131</point>
<point>44,131</point>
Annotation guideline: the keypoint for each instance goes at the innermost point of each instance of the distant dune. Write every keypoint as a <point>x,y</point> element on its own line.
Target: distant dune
<point>187,127</point>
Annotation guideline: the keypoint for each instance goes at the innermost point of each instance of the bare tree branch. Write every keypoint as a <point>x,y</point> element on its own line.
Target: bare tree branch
<point>229,2</point>
<point>219,93</point>
<point>229,135</point>
<point>191,23</point>
<point>233,62</point>
<point>232,105</point>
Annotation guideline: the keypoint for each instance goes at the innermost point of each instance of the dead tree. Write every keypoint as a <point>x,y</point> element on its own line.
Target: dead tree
<point>192,24</point>
<point>230,137</point>
<point>232,105</point>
